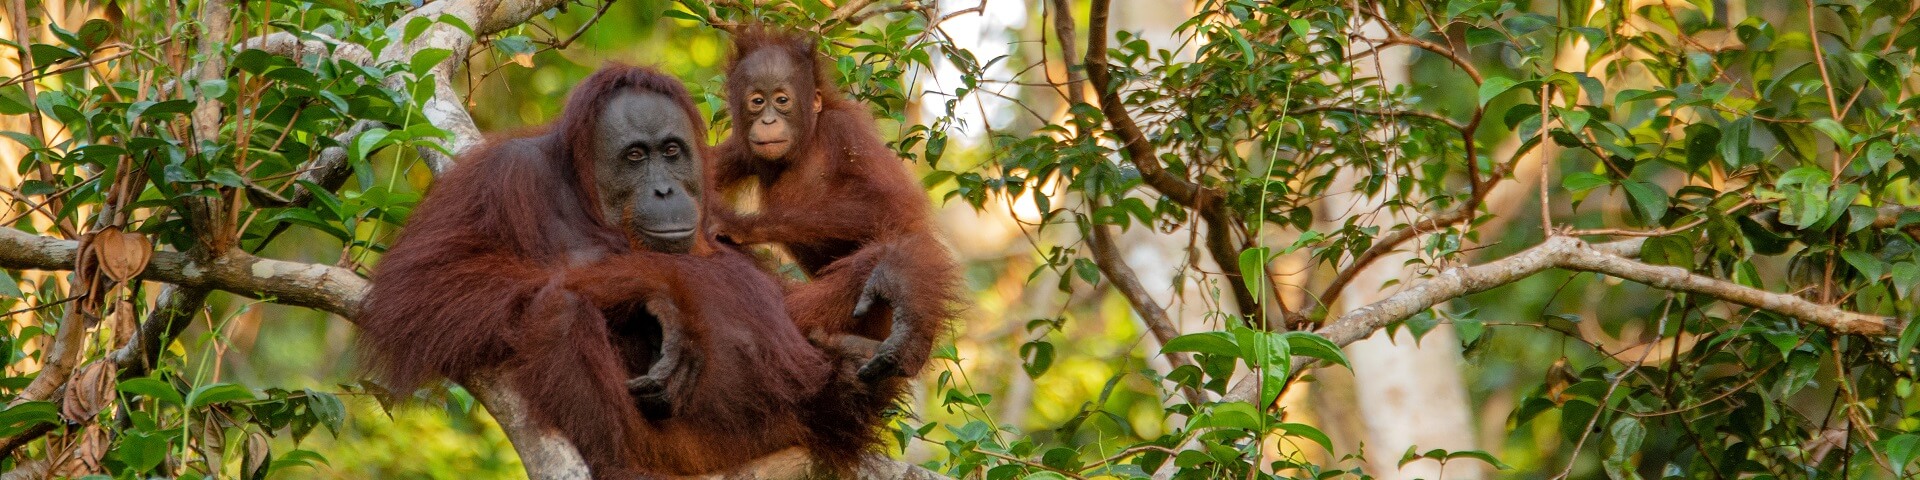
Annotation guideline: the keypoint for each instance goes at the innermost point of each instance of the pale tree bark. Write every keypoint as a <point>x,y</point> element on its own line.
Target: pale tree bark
<point>1408,393</point>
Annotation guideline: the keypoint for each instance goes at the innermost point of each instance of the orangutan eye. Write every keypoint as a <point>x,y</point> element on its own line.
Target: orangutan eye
<point>635,155</point>
<point>757,100</point>
<point>672,150</point>
<point>780,100</point>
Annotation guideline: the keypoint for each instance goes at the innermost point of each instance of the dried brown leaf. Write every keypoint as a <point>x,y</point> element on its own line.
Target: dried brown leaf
<point>122,256</point>
<point>259,450</point>
<point>82,456</point>
<point>125,321</point>
<point>90,390</point>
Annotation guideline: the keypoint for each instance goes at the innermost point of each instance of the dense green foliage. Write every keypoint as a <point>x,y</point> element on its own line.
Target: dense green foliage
<point>1772,145</point>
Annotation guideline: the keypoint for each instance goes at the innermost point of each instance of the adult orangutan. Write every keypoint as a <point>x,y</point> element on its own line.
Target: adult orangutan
<point>574,259</point>
<point>836,198</point>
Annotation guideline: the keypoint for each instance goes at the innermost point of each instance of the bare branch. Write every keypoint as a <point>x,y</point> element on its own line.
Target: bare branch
<point>1572,254</point>
<point>322,287</point>
<point>848,10</point>
<point>1107,257</point>
<point>1381,113</point>
<point>318,44</point>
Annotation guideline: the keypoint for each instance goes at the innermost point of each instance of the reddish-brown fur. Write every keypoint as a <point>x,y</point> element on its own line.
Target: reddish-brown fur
<point>842,204</point>
<point>506,267</point>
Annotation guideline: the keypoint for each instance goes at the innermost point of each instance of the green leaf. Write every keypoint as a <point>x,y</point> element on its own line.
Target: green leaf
<point>1909,337</point>
<point>1578,182</point>
<point>226,177</point>
<point>1869,266</point>
<point>1308,432</point>
<point>1493,87</point>
<point>18,418</point>
<point>1674,250</point>
<point>212,90</point>
<point>217,393</point>
<point>327,408</point>
<point>13,101</point>
<point>142,451</point>
<point>94,32</point>
<point>1649,201</point>
<point>426,59</point>
<point>683,15</point>
<point>1312,345</point>
<point>26,139</point>
<point>1036,357</point>
<point>1212,343</point>
<point>1834,131</point>
<point>153,388</point>
<point>366,143</point>
<point>1253,269</point>
<point>9,288</point>
<point>1481,456</point>
<point>45,54</point>
<point>1900,451</point>
<point>1878,154</point>
<point>1735,144</point>
<point>1624,438</point>
<point>1906,275</point>
<point>1703,140</point>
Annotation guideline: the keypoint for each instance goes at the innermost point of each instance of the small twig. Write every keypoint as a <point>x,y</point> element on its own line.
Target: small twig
<point>1597,412</point>
<point>1377,112</point>
<point>90,61</point>
<point>583,27</point>
<point>43,305</point>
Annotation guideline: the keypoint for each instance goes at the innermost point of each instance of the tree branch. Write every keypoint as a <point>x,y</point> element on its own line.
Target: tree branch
<point>1572,254</point>
<point>1107,257</point>
<point>332,289</point>
<point>1209,202</point>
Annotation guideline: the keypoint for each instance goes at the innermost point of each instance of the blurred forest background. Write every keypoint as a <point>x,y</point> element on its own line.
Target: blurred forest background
<point>1552,239</point>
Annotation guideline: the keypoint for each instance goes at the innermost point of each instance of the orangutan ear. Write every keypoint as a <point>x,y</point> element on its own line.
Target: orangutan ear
<point>816,101</point>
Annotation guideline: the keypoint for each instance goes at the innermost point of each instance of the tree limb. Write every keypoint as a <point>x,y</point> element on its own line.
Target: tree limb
<point>1107,257</point>
<point>331,289</point>
<point>1570,253</point>
<point>1209,202</point>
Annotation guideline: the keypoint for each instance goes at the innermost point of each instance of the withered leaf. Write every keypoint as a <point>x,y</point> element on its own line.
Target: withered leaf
<point>122,256</point>
<point>90,390</point>
<point>82,456</point>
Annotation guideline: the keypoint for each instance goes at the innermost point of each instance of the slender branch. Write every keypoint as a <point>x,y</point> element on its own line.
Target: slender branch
<point>848,10</point>
<point>1063,30</point>
<point>1397,38</point>
<point>604,5</point>
<point>1107,257</point>
<point>1381,113</point>
<point>1209,202</point>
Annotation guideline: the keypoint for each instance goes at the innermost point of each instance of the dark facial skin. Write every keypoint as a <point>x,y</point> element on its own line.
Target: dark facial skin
<point>773,103</point>
<point>648,172</point>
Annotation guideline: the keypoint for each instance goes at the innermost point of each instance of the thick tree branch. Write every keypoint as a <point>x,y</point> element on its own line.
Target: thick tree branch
<point>316,44</point>
<point>1572,254</point>
<point>332,289</point>
<point>1390,241</point>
